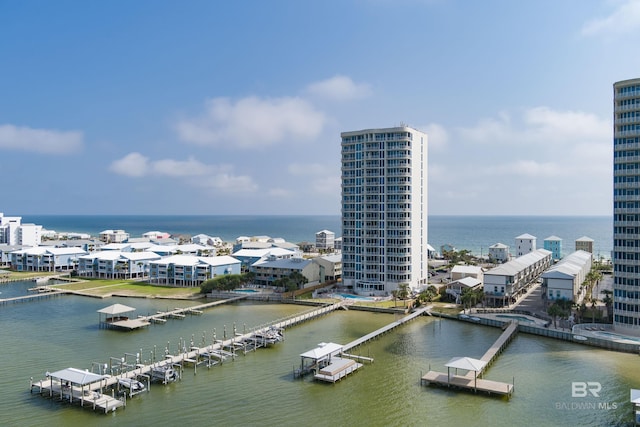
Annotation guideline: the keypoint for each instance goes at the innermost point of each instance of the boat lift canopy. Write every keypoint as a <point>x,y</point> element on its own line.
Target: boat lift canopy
<point>77,376</point>
<point>323,351</point>
<point>466,363</point>
<point>116,309</point>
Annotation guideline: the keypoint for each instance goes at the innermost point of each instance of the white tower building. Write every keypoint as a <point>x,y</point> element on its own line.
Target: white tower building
<point>384,209</point>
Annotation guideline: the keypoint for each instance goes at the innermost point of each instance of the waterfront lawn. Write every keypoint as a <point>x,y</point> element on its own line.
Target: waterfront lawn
<point>446,308</point>
<point>26,275</point>
<point>100,287</point>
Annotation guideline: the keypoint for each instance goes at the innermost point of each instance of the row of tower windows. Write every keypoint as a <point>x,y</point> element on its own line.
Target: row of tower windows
<point>624,128</point>
<point>626,205</point>
<point>629,115</point>
<point>619,141</point>
<point>627,320</point>
<point>628,89</point>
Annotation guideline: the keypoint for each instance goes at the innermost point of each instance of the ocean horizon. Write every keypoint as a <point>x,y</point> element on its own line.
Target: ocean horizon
<point>471,232</point>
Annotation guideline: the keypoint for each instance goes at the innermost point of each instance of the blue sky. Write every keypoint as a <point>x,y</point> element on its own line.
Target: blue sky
<point>211,107</point>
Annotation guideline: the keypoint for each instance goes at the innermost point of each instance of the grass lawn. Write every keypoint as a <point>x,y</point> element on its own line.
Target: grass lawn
<point>26,275</point>
<point>129,288</point>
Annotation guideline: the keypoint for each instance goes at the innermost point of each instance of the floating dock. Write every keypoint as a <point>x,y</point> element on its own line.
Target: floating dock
<point>475,368</point>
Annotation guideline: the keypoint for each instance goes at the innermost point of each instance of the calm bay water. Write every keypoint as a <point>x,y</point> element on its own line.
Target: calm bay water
<point>474,233</point>
<point>259,389</point>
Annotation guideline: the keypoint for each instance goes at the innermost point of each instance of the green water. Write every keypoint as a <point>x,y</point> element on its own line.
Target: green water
<point>259,389</point>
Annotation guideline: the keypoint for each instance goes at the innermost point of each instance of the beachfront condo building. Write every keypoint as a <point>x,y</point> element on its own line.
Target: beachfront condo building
<point>626,206</point>
<point>384,209</point>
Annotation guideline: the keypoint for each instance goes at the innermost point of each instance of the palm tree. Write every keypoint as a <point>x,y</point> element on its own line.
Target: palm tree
<point>467,297</point>
<point>554,311</point>
<point>428,294</point>
<point>608,301</point>
<point>403,291</point>
<point>593,309</point>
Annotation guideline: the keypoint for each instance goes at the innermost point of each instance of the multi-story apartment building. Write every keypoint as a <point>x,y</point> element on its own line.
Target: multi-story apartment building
<point>584,243</point>
<point>626,206</point>
<point>384,209</point>
<point>325,240</point>
<point>553,244</point>
<point>13,232</point>
<point>525,243</point>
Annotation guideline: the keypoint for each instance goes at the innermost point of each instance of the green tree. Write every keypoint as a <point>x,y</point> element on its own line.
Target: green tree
<point>608,302</point>
<point>298,278</point>
<point>428,294</point>
<point>403,291</point>
<point>285,283</point>
<point>555,310</point>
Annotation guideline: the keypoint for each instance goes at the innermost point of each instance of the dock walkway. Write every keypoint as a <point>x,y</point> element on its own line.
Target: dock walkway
<point>195,355</point>
<point>162,316</point>
<point>384,329</point>
<point>499,345</point>
<point>27,298</point>
<point>470,381</point>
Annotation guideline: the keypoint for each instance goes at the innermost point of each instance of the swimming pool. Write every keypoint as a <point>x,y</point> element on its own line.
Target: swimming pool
<point>612,336</point>
<point>247,291</point>
<point>515,317</point>
<point>357,297</point>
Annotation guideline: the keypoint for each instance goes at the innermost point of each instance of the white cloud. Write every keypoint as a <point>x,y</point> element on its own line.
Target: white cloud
<point>253,122</point>
<point>563,125</point>
<point>133,164</point>
<point>438,137</point>
<point>176,168</point>
<point>194,172</point>
<point>529,168</point>
<point>306,169</point>
<point>39,140</point>
<point>225,182</point>
<point>623,20</point>
<point>328,185</point>
<point>539,125</point>
<point>340,88</point>
<point>280,193</point>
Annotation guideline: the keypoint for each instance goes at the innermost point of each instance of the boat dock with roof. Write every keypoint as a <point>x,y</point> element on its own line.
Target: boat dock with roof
<point>88,388</point>
<point>330,361</point>
<point>118,316</point>
<point>475,368</point>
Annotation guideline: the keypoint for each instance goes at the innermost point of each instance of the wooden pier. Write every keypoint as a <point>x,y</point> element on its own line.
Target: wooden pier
<point>162,316</point>
<point>475,368</point>
<point>330,361</point>
<point>27,298</point>
<point>92,392</point>
<point>384,329</point>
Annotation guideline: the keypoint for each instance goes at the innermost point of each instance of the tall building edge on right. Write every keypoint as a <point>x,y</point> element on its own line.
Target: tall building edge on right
<point>626,206</point>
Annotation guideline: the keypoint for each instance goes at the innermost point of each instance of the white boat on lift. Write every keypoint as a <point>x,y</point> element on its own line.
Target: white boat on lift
<point>164,374</point>
<point>133,386</point>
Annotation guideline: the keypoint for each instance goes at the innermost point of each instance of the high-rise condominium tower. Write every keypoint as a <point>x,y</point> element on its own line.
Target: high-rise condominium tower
<point>384,209</point>
<point>626,206</point>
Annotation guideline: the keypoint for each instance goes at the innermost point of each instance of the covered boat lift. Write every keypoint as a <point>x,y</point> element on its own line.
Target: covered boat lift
<point>116,316</point>
<point>76,385</point>
<point>326,364</point>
